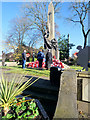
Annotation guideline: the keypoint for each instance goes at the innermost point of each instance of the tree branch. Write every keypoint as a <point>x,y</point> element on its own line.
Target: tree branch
<point>87,32</point>
<point>73,20</point>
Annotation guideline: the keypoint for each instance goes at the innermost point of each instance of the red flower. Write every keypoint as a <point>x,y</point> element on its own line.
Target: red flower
<point>18,104</point>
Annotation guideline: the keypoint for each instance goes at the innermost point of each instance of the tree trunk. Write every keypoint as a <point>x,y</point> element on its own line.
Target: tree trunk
<point>85,41</point>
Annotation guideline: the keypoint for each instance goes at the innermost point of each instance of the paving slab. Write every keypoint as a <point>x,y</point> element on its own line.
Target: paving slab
<point>83,109</point>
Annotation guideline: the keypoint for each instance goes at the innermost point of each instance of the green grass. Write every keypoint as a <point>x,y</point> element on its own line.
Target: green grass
<point>34,71</point>
<point>78,68</point>
<point>29,71</point>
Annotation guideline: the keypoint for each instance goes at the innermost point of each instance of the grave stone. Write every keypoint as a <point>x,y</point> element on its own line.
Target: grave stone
<point>83,57</point>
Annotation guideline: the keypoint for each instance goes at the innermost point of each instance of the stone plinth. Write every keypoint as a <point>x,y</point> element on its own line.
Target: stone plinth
<point>67,98</point>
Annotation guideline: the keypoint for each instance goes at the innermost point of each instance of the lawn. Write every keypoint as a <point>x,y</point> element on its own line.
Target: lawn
<point>33,71</point>
<point>29,71</point>
<point>78,68</point>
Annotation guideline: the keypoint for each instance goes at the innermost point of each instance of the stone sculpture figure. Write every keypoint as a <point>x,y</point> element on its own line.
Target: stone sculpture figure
<point>83,57</point>
<point>49,43</point>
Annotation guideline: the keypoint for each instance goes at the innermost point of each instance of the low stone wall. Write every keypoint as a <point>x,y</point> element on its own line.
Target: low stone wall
<point>11,63</point>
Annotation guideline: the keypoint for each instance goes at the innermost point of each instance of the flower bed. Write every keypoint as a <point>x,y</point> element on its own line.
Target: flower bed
<point>25,108</point>
<point>12,107</point>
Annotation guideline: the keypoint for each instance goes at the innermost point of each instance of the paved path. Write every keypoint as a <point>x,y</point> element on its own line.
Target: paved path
<point>84,109</point>
<point>43,81</point>
<point>66,66</point>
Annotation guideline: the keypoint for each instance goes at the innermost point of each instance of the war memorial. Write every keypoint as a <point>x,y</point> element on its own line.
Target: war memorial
<point>49,40</point>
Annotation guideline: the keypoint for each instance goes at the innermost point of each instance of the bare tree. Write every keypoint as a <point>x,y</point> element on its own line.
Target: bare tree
<point>29,29</point>
<point>37,13</point>
<point>80,10</point>
<point>18,33</point>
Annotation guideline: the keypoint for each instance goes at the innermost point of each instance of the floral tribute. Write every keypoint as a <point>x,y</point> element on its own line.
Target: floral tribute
<point>55,62</point>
